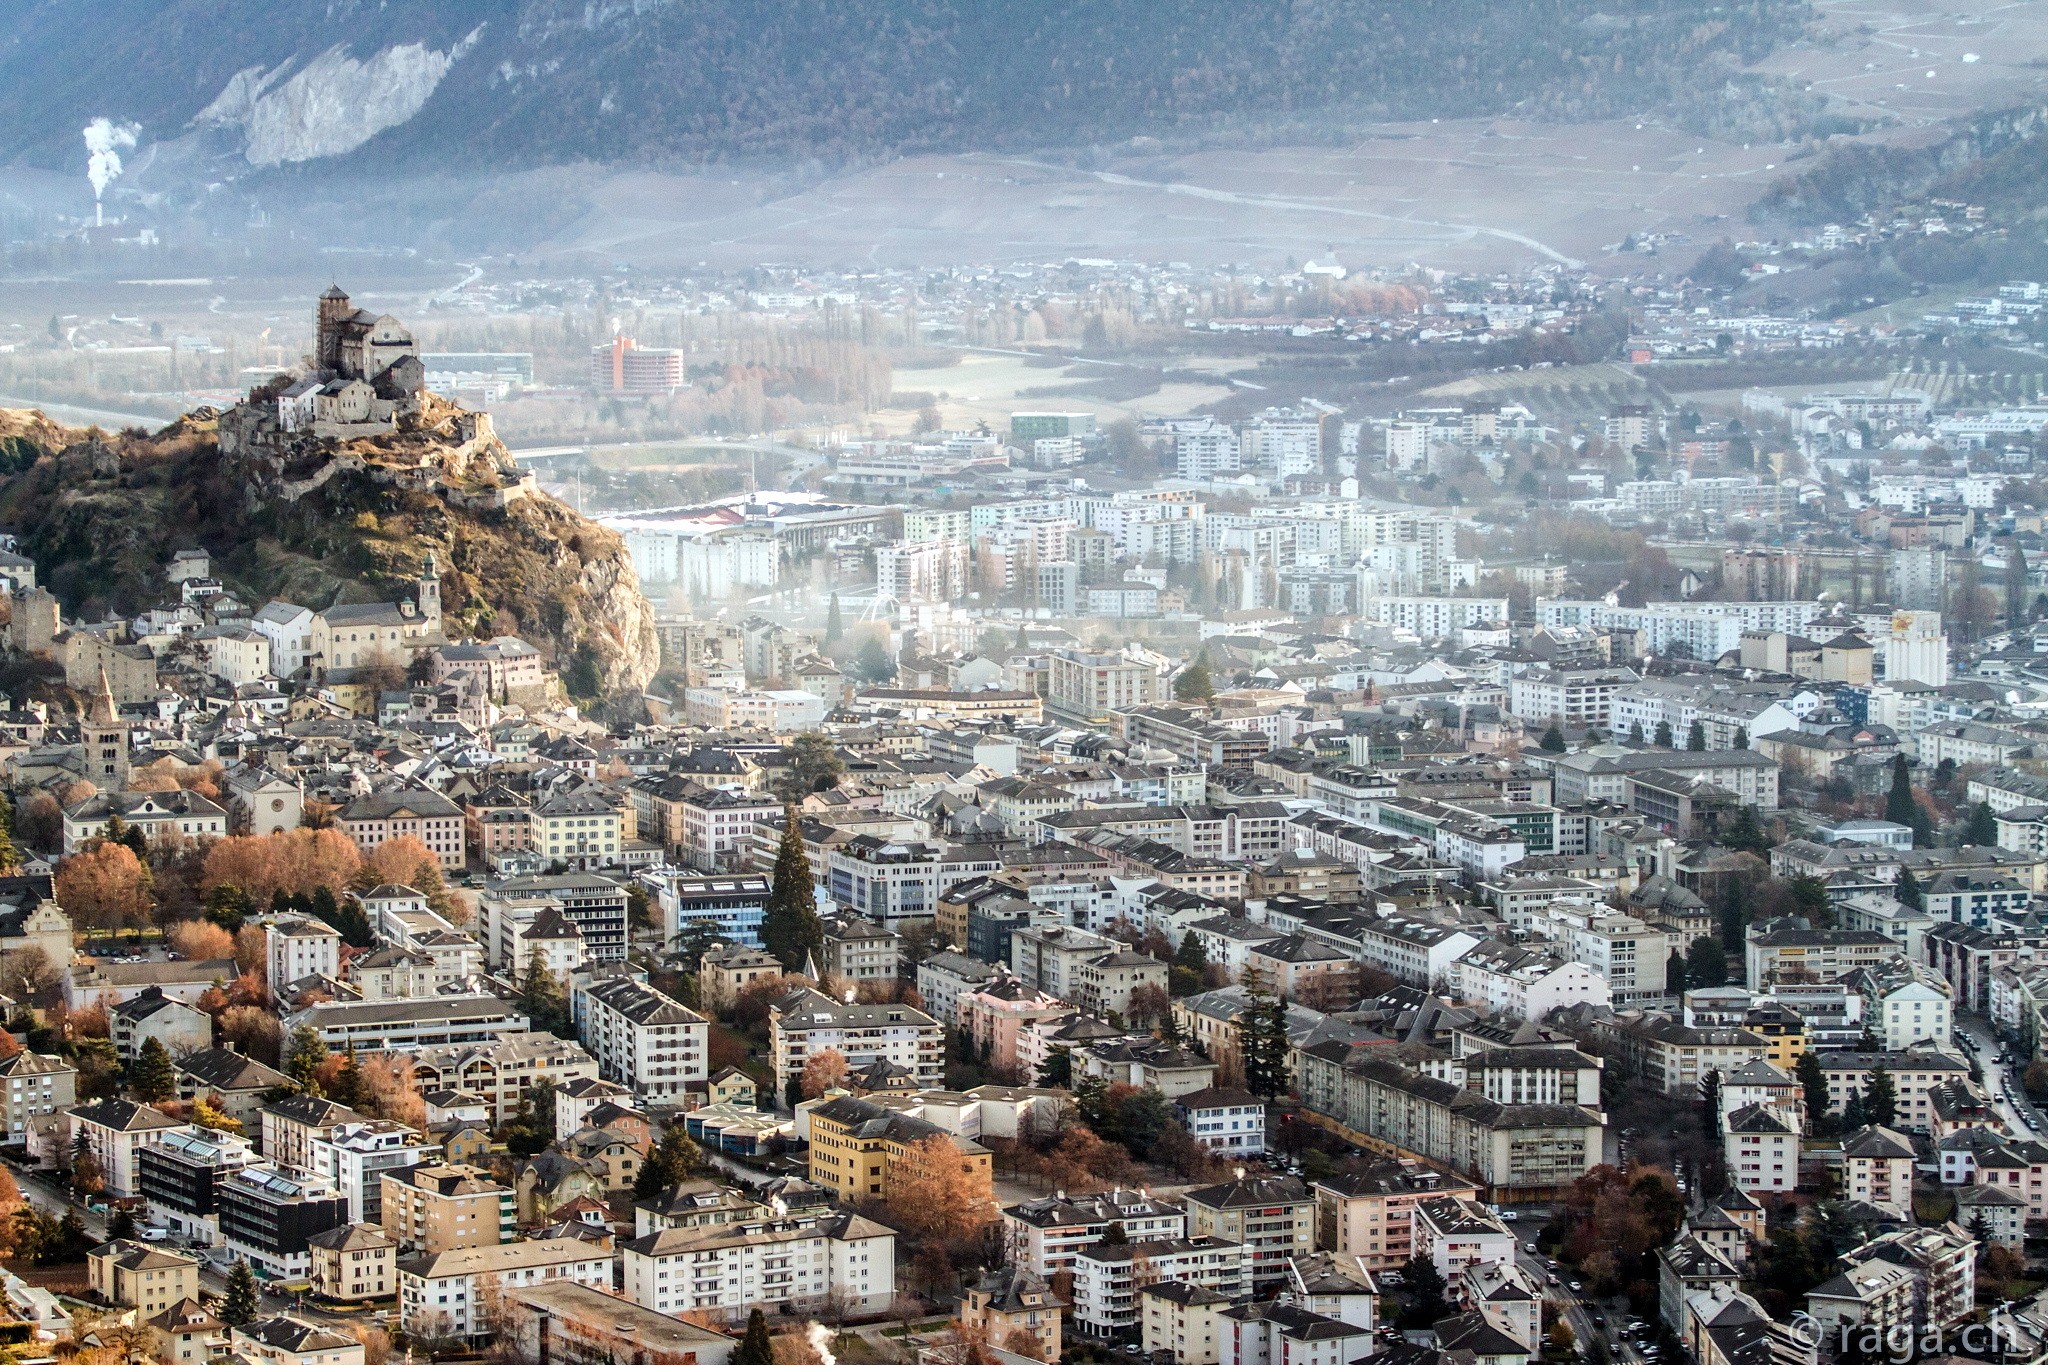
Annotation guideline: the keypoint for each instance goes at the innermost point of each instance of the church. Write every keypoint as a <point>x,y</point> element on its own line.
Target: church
<point>364,373</point>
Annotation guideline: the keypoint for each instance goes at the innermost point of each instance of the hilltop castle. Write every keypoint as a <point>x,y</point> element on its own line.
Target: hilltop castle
<point>363,375</point>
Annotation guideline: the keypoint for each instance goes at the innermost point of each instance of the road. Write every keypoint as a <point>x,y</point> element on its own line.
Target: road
<point>2019,1113</point>
<point>1576,1309</point>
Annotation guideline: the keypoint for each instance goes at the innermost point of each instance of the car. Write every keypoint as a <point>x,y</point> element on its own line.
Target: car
<point>156,1234</point>
<point>1553,1278</point>
<point>1599,1321</point>
<point>1576,1286</point>
<point>1390,1277</point>
<point>1509,1216</point>
<point>1532,1248</point>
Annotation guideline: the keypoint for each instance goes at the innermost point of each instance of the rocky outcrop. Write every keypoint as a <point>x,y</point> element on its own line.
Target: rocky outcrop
<point>320,522</point>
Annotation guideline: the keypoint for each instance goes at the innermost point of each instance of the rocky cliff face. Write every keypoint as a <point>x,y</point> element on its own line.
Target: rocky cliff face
<point>102,514</point>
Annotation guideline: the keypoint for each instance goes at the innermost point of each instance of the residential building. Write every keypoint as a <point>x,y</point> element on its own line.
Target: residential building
<point>1273,1218</point>
<point>447,1295</point>
<point>1044,1235</point>
<point>436,1207</point>
<point>353,1263</point>
<point>805,1023</point>
<point>139,1275</point>
<point>802,1262</point>
<point>268,1215</point>
<point>114,1131</point>
<point>1456,1233</point>
<point>35,1085</point>
<point>1108,1277</point>
<point>642,1039</point>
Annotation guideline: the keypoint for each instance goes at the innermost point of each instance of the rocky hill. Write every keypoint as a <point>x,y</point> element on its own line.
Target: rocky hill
<point>497,84</point>
<point>319,521</point>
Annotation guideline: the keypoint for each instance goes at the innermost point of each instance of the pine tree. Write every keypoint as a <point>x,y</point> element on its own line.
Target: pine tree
<point>540,996</point>
<point>1635,732</point>
<point>155,1079</point>
<point>10,858</point>
<point>1663,734</point>
<point>1854,1115</point>
<point>1813,1079</point>
<point>1553,740</point>
<point>121,1226</point>
<point>1057,1071</point>
<point>1262,1044</point>
<point>1741,737</point>
<point>1882,1105</point>
<point>1982,830</point>
<point>755,1348</point>
<point>228,906</point>
<point>1908,890</point>
<point>1706,964</point>
<point>833,628</point>
<point>1899,806</point>
<point>790,927</point>
<point>1744,834</point>
<point>238,1307</point>
<point>348,1082</point>
<point>1194,683</point>
<point>1696,738</point>
<point>303,1054</point>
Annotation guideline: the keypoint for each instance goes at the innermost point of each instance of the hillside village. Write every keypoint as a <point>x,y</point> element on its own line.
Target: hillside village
<point>1227,918</point>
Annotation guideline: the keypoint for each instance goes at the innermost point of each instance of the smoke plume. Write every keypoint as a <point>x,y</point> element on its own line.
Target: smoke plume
<point>821,1342</point>
<point>104,140</point>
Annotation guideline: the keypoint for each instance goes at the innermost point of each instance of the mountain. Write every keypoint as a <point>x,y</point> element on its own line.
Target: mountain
<point>335,521</point>
<point>501,84</point>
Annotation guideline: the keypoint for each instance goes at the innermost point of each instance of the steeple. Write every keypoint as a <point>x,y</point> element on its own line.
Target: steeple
<point>102,710</point>
<point>104,737</point>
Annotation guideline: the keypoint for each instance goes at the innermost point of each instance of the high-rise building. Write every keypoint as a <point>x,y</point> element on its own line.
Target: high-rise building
<point>1916,579</point>
<point>624,366</point>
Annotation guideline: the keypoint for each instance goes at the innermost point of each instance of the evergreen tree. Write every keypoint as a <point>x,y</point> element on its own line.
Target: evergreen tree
<point>1057,1070</point>
<point>1854,1115</point>
<point>1982,830</point>
<point>1262,1040</point>
<point>1635,732</point>
<point>1810,897</point>
<point>1663,734</point>
<point>1706,964</point>
<point>10,857</point>
<point>303,1054</point>
<point>1185,974</point>
<point>1899,806</point>
<point>155,1079</point>
<point>1814,1081</point>
<point>540,996</point>
<point>1882,1105</point>
<point>1696,738</point>
<point>1908,890</point>
<point>1194,683</point>
<point>348,1082</point>
<point>833,628</point>
<point>1741,737</point>
<point>228,906</point>
<point>239,1306</point>
<point>1553,740</point>
<point>1674,974</point>
<point>755,1348</point>
<point>790,927</point>
<point>122,1225</point>
<point>1744,834</point>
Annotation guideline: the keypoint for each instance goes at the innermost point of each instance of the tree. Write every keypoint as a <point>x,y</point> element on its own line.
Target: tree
<point>1982,830</point>
<point>1741,737</point>
<point>1813,1080</point>
<point>1907,889</point>
<point>304,1053</point>
<point>1262,1044</point>
<point>1635,732</point>
<point>1663,734</point>
<point>239,1305</point>
<point>674,1159</point>
<point>87,1175</point>
<point>1696,738</point>
<point>41,823</point>
<point>1706,963</point>
<point>823,1070</point>
<point>1553,740</point>
<point>1900,807</point>
<point>1184,975</point>
<point>1194,683</point>
<point>347,1088</point>
<point>198,940</point>
<point>121,1226</point>
<point>1057,1070</point>
<point>1882,1103</point>
<point>871,662</point>
<point>106,887</point>
<point>155,1079</point>
<point>1744,834</point>
<point>814,766</point>
<point>541,998</point>
<point>935,1192</point>
<point>1674,974</point>
<point>834,628</point>
<point>10,859</point>
<point>227,905</point>
<point>1810,898</point>
<point>1425,1285</point>
<point>790,927</point>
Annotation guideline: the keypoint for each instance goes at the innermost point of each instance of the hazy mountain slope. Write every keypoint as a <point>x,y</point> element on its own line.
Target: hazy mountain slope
<point>517,82</point>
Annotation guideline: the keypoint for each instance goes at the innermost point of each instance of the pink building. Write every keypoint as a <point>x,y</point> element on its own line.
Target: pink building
<point>1000,1010</point>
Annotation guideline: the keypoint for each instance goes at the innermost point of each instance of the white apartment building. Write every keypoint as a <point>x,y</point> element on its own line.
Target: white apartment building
<point>641,1038</point>
<point>1572,697</point>
<point>1088,684</point>
<point>1206,453</point>
<point>1761,1147</point>
<point>800,1264</point>
<point>808,1023</point>
<point>294,949</point>
<point>1622,950</point>
<point>449,1294</point>
<point>1044,1235</point>
<point>1434,618</point>
<point>1524,983</point>
<point>1107,1277</point>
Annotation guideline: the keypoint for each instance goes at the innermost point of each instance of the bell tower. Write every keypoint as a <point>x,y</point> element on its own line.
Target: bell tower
<point>430,591</point>
<point>105,738</point>
<point>327,319</point>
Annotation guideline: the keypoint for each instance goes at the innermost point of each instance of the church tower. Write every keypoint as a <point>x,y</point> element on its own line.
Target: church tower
<point>328,314</point>
<point>430,591</point>
<point>105,736</point>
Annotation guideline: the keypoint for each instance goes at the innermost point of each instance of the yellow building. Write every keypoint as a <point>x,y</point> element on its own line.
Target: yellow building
<point>856,1145</point>
<point>1016,1311</point>
<point>1782,1030</point>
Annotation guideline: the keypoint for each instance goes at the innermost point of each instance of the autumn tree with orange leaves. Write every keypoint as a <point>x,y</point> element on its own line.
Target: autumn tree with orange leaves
<point>293,860</point>
<point>938,1191</point>
<point>105,887</point>
<point>822,1071</point>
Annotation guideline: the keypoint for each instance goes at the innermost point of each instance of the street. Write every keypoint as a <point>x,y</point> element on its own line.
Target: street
<point>2019,1113</point>
<point>1577,1310</point>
